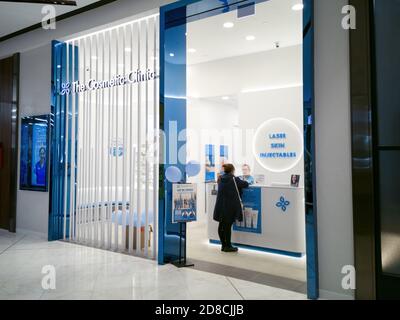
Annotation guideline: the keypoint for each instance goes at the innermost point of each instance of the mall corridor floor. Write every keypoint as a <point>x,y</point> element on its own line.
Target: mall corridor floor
<point>90,273</point>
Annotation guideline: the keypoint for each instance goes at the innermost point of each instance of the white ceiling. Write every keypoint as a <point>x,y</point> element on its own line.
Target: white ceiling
<point>274,21</point>
<point>17,16</point>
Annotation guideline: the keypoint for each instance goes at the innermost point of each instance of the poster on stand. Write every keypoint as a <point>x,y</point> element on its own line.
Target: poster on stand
<point>184,203</point>
<point>251,213</point>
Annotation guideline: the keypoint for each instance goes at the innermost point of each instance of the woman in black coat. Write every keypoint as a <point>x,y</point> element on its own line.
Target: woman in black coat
<point>228,207</point>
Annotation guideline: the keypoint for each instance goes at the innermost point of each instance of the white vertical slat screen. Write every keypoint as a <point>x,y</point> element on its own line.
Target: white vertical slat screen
<point>112,171</point>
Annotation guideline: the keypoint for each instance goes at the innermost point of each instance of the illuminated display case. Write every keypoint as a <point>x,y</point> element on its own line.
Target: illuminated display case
<point>34,153</point>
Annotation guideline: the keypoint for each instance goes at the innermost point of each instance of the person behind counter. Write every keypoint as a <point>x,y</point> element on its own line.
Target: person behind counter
<point>247,174</point>
<point>228,207</point>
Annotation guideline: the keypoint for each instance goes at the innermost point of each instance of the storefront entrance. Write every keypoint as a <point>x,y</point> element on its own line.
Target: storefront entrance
<point>236,88</point>
<point>104,167</point>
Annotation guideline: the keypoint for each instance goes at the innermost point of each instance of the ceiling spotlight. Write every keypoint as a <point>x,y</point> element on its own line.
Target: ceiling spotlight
<point>250,38</point>
<point>228,25</point>
<point>192,50</point>
<point>172,54</point>
<point>225,98</point>
<point>298,7</point>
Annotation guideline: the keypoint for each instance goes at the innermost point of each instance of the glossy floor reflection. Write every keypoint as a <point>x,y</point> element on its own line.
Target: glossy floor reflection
<point>90,273</point>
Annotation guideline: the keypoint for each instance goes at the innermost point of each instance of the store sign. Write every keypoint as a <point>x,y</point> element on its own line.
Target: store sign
<point>119,80</point>
<point>278,145</point>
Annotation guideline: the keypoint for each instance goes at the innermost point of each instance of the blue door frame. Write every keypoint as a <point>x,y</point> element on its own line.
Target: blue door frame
<point>173,21</point>
<point>60,159</point>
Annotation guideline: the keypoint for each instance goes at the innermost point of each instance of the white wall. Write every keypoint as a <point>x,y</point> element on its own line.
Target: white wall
<point>260,87</point>
<point>255,108</point>
<point>33,207</point>
<point>250,72</point>
<point>333,147</point>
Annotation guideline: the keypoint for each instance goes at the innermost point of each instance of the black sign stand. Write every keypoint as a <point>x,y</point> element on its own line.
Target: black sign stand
<point>182,262</point>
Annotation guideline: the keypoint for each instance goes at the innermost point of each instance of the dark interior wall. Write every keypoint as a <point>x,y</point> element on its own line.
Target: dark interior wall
<point>386,115</point>
<point>375,96</point>
<point>9,78</point>
<point>362,151</point>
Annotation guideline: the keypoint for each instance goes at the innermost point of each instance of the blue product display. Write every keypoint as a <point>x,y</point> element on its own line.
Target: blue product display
<point>252,217</point>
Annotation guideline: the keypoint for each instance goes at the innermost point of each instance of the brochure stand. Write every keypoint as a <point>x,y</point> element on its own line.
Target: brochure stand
<point>182,262</point>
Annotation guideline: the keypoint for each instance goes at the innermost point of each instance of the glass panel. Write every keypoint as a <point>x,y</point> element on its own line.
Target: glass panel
<point>244,106</point>
<point>390,211</point>
<point>387,34</point>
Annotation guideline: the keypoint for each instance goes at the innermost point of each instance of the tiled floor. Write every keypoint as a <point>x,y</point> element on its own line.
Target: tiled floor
<point>275,265</point>
<point>89,273</point>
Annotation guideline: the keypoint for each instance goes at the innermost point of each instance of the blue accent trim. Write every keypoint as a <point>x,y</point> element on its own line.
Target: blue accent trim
<point>58,161</point>
<point>254,248</point>
<point>57,148</point>
<point>309,151</point>
<point>172,122</point>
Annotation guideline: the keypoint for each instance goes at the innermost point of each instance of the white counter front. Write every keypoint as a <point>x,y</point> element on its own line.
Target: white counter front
<point>282,226</point>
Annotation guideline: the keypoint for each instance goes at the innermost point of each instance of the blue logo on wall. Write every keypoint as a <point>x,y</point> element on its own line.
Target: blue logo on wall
<point>283,204</point>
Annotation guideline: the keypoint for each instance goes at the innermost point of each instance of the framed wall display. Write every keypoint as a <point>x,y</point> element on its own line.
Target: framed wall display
<point>295,180</point>
<point>34,153</point>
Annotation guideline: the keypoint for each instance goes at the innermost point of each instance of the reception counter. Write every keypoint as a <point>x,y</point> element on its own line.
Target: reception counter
<point>274,219</point>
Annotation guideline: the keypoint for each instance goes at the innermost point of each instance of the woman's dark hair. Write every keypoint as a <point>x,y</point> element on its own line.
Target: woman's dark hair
<point>228,168</point>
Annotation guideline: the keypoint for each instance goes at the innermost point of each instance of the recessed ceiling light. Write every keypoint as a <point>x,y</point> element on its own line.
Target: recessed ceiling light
<point>192,50</point>
<point>225,98</point>
<point>250,38</point>
<point>228,25</point>
<point>298,7</point>
<point>172,54</point>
